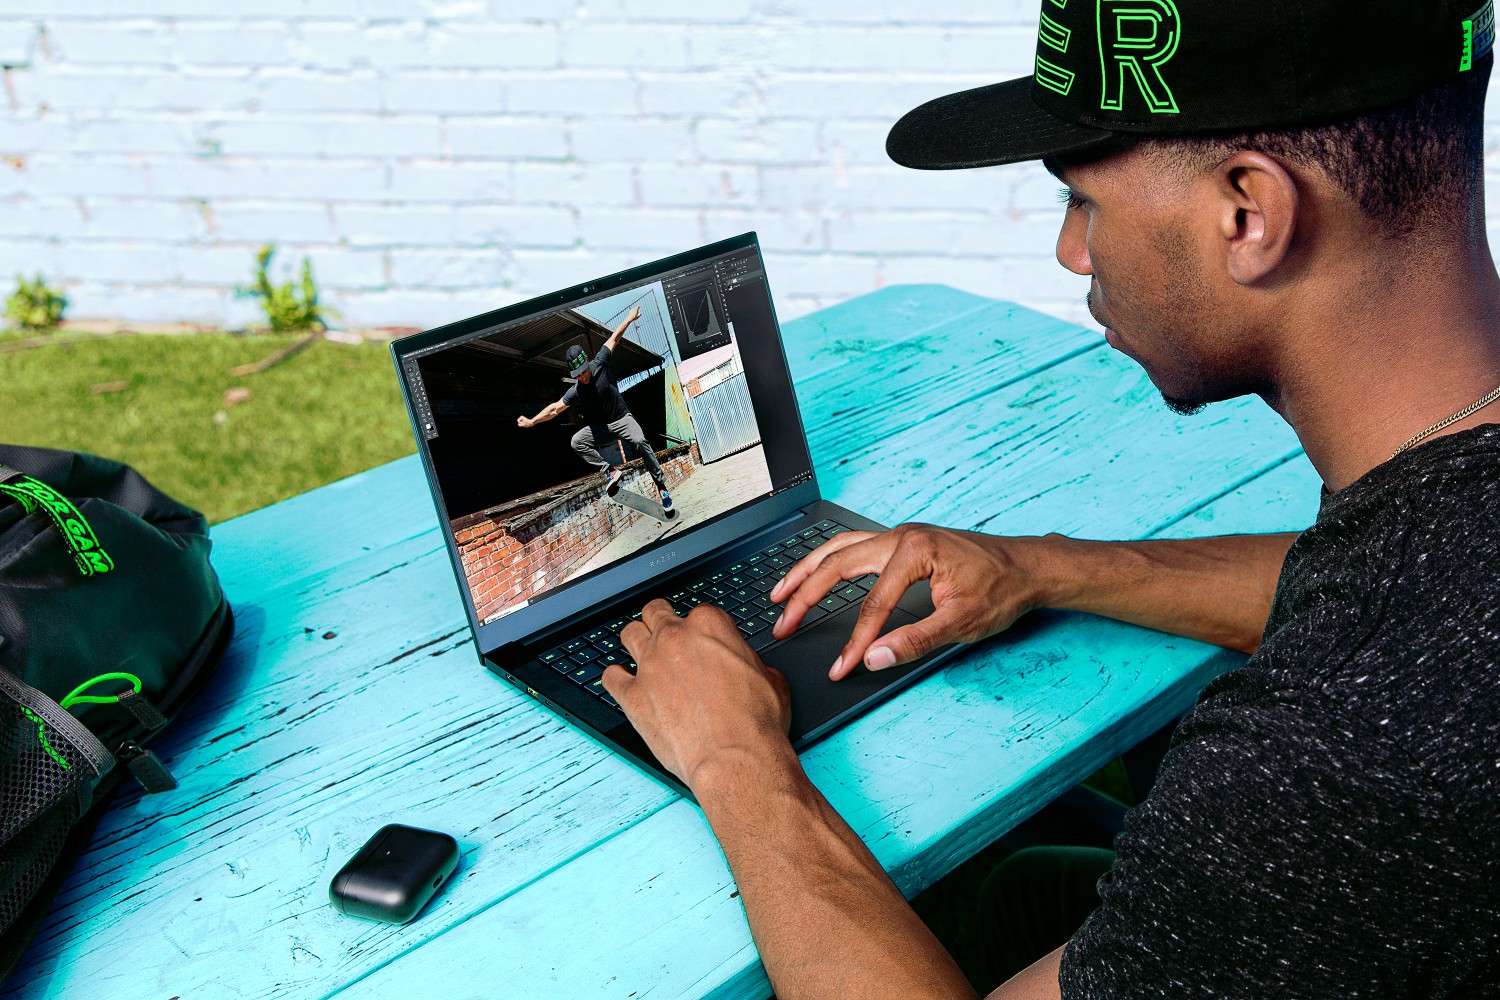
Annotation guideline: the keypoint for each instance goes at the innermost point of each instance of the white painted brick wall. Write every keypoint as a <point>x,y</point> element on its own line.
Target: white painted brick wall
<point>439,157</point>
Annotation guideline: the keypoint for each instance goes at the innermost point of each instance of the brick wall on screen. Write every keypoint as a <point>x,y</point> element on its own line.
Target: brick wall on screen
<point>506,566</point>
<point>441,157</point>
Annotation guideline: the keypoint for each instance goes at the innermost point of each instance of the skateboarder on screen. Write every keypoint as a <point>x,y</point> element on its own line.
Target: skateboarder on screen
<point>606,417</point>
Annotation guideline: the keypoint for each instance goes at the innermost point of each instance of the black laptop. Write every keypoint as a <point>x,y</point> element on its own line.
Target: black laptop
<point>629,438</point>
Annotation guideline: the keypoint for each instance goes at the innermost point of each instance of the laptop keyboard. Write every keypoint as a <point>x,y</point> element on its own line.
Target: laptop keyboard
<point>741,589</point>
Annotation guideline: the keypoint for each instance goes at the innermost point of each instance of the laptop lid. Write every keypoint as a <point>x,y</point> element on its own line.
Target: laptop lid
<point>697,367</point>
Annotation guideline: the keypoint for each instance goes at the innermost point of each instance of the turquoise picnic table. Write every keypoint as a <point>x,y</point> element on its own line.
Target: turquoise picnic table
<point>353,697</point>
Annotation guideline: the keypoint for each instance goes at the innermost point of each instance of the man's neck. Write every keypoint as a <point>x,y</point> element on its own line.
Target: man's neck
<point>1390,353</point>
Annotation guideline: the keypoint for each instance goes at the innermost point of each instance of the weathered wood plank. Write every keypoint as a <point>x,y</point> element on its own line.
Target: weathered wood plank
<point>1284,498</point>
<point>928,376</point>
<point>318,532</point>
<point>832,337</point>
<point>1022,706</point>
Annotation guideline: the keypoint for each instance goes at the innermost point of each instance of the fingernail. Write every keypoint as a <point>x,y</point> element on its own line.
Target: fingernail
<point>834,671</point>
<point>879,658</point>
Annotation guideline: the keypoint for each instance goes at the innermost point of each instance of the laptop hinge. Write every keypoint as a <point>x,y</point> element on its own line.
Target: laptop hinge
<point>568,624</point>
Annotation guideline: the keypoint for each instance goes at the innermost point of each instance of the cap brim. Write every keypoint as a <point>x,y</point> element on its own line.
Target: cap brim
<point>986,127</point>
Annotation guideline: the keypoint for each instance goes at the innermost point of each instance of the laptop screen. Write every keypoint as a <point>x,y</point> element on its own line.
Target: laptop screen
<point>616,418</point>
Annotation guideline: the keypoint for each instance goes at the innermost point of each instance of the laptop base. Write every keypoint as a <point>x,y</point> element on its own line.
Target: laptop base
<point>819,705</point>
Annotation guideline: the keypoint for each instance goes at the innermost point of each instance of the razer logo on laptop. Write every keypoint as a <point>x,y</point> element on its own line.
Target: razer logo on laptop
<point>662,560</point>
<point>1135,39</point>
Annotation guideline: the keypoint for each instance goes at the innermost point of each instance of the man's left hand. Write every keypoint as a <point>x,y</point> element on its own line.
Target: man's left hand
<point>700,695</point>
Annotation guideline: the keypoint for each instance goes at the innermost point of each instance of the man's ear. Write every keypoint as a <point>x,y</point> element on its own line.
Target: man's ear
<point>1259,208</point>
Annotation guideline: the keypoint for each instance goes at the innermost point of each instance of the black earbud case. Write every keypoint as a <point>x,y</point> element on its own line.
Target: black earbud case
<point>394,874</point>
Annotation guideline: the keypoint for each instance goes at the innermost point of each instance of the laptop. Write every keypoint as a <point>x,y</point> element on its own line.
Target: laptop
<point>634,437</point>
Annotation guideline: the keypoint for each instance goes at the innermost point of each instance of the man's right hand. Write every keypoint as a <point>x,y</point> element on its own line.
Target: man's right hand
<point>525,422</point>
<point>980,585</point>
<point>1217,590</point>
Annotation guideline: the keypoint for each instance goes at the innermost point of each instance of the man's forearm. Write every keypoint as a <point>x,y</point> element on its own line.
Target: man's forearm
<point>548,412</point>
<point>826,920</point>
<point>1218,590</point>
<point>614,338</point>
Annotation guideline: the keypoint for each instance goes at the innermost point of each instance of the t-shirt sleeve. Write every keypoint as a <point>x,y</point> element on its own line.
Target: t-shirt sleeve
<point>603,356</point>
<point>1286,849</point>
<point>570,398</point>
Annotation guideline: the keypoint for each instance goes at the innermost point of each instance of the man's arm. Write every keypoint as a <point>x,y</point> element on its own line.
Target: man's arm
<point>548,412</point>
<point>1218,590</point>
<point>1038,981</point>
<point>826,920</point>
<point>614,338</point>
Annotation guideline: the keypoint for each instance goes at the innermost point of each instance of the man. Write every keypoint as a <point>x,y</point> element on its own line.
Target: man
<point>606,416</point>
<point>1274,198</point>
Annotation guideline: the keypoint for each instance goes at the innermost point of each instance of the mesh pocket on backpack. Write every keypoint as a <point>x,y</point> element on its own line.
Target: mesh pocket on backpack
<point>48,770</point>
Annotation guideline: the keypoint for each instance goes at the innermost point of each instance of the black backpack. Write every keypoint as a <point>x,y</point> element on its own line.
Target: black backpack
<point>111,619</point>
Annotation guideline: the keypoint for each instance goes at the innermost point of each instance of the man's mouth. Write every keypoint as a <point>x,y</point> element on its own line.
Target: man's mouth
<point>1110,335</point>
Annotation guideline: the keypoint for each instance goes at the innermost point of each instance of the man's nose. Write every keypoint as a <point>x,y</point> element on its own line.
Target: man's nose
<point>1072,243</point>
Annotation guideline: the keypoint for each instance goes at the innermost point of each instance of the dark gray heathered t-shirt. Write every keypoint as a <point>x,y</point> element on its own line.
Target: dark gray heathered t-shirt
<point>1327,820</point>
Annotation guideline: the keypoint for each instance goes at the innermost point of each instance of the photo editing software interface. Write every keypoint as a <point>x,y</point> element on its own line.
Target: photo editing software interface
<point>567,440</point>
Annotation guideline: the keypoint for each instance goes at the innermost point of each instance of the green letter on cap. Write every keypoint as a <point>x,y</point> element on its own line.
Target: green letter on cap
<point>1138,36</point>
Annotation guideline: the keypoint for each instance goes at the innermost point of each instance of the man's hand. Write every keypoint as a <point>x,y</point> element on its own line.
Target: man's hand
<point>614,338</point>
<point>525,422</point>
<point>980,585</point>
<point>825,917</point>
<point>699,695</point>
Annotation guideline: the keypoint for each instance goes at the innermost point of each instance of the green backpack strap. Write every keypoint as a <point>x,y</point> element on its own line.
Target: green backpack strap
<point>34,495</point>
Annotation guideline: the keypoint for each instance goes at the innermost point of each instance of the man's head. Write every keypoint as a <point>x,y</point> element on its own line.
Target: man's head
<point>1223,173</point>
<point>578,364</point>
<point>1198,244</point>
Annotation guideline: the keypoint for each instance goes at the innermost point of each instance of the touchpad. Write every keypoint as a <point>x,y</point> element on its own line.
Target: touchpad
<point>806,658</point>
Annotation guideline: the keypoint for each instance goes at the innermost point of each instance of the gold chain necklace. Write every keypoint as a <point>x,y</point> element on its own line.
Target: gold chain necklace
<point>1469,410</point>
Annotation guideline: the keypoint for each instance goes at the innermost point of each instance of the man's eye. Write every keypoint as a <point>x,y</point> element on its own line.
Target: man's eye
<point>1070,198</point>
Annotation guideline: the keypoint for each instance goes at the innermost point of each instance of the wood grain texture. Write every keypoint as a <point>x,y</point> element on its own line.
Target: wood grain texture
<point>353,697</point>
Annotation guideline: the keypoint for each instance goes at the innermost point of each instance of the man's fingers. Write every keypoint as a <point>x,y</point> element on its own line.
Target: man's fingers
<point>714,616</point>
<point>805,566</point>
<point>657,613</point>
<point>900,573</point>
<point>849,562</point>
<point>633,637</point>
<point>904,644</point>
<point>618,681</point>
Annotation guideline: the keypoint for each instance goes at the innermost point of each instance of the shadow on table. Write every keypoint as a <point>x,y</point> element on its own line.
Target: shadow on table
<point>192,727</point>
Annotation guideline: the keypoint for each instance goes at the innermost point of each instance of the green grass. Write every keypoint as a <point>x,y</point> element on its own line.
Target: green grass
<point>326,413</point>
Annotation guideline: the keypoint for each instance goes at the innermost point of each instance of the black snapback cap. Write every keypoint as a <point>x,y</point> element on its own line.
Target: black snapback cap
<point>1138,67</point>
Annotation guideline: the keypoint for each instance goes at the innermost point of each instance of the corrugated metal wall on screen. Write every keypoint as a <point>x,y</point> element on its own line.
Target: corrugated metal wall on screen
<point>651,333</point>
<point>724,419</point>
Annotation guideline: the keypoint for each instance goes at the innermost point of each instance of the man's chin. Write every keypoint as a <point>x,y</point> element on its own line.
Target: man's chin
<point>1183,406</point>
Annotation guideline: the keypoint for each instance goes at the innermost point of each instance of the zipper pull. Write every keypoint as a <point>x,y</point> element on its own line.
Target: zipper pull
<point>145,713</point>
<point>146,766</point>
